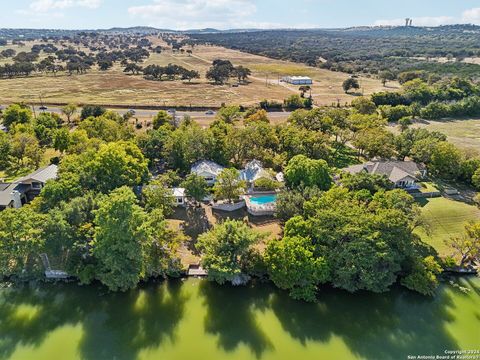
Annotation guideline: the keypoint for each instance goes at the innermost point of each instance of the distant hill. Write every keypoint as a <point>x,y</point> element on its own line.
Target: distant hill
<point>373,31</point>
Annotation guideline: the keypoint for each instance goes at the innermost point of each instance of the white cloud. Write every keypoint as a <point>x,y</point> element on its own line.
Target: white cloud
<point>471,16</point>
<point>183,14</point>
<point>420,21</point>
<point>48,5</point>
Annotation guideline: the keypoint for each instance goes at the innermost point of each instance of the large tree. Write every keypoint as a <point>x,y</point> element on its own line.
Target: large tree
<point>308,172</point>
<point>157,195</point>
<point>293,265</point>
<point>120,240</point>
<point>349,84</point>
<point>116,164</point>
<point>467,246</point>
<point>20,242</point>
<point>228,185</point>
<point>224,248</point>
<point>17,114</point>
<point>195,187</point>
<point>367,242</point>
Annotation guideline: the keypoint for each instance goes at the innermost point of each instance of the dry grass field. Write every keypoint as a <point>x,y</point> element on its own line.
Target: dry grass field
<point>113,87</point>
<point>464,133</point>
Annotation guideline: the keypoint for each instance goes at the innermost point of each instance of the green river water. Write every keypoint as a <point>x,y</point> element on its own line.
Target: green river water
<point>194,319</point>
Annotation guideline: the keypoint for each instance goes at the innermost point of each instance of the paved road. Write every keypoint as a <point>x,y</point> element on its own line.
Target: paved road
<point>141,113</point>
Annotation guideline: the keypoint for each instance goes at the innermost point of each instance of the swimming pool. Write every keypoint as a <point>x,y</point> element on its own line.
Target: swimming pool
<point>263,199</point>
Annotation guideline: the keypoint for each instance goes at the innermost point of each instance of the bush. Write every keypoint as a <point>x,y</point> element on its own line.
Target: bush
<point>265,183</point>
<point>423,277</point>
<point>92,110</point>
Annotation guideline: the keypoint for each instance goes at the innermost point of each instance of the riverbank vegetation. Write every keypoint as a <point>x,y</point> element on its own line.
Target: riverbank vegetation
<point>105,216</point>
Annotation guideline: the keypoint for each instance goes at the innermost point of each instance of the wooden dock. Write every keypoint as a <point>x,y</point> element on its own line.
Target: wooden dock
<point>196,270</point>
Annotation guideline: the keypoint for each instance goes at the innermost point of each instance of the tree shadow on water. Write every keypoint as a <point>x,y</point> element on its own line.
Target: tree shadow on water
<point>386,326</point>
<point>127,323</point>
<point>230,315</point>
<point>115,325</point>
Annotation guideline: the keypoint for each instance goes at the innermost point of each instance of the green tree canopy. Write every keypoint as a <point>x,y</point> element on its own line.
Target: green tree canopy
<point>120,240</point>
<point>17,114</point>
<point>349,84</point>
<point>228,185</point>
<point>195,187</point>
<point>308,172</point>
<point>224,248</point>
<point>293,265</point>
<point>116,164</point>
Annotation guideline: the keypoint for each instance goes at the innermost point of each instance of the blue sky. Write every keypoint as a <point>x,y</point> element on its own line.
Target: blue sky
<point>225,14</point>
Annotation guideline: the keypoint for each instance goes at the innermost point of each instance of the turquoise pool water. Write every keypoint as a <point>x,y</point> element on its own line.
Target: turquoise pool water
<point>263,199</point>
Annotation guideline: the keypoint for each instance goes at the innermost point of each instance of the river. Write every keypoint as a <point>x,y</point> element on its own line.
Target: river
<point>195,319</point>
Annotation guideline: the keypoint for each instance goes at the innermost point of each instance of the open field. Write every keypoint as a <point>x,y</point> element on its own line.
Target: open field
<point>113,87</point>
<point>445,218</point>
<point>464,133</point>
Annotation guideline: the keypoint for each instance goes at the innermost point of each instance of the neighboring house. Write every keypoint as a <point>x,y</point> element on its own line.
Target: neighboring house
<point>207,169</point>
<point>253,171</point>
<point>179,195</point>
<point>403,174</point>
<point>23,190</point>
<point>280,177</point>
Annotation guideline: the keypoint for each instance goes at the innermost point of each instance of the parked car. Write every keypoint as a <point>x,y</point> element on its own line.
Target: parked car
<point>210,112</point>
<point>131,111</point>
<point>43,108</point>
<point>171,111</point>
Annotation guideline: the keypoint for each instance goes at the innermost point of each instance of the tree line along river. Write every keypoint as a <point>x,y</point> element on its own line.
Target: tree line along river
<point>196,319</point>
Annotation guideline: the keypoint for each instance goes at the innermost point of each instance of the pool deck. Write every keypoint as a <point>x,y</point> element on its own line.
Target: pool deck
<point>255,209</point>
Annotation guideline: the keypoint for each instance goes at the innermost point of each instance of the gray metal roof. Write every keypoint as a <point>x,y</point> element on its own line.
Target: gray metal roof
<point>253,171</point>
<point>207,166</point>
<point>5,198</point>
<point>42,174</point>
<point>394,170</point>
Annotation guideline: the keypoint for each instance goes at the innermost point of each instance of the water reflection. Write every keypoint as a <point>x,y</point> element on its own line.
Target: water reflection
<point>388,326</point>
<point>230,314</point>
<point>114,327</point>
<point>122,325</point>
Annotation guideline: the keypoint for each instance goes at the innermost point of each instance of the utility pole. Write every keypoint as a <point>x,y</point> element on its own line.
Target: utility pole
<point>34,113</point>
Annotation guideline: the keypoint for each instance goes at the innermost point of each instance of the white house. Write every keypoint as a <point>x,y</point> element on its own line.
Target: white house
<point>253,171</point>
<point>403,174</point>
<point>207,169</point>
<point>19,192</point>
<point>179,195</point>
<point>298,80</point>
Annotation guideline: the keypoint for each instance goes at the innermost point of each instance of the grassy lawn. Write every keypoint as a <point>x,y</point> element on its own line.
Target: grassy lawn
<point>463,133</point>
<point>428,187</point>
<point>113,87</point>
<point>445,218</point>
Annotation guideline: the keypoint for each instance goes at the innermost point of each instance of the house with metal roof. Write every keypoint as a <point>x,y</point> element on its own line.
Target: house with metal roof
<point>254,170</point>
<point>207,169</point>
<point>23,190</point>
<point>403,174</point>
<point>298,80</point>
